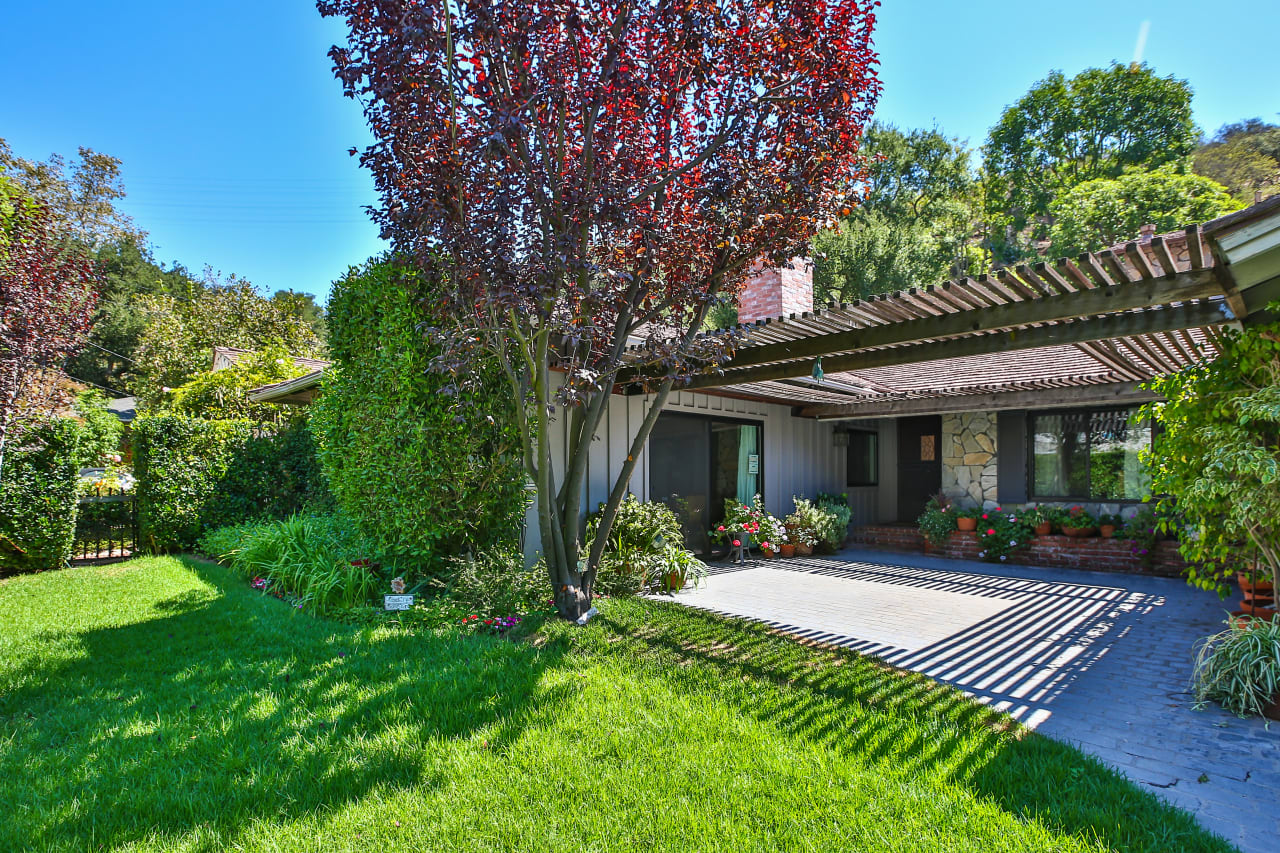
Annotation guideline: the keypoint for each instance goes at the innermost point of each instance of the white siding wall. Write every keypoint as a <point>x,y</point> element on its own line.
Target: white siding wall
<point>800,456</point>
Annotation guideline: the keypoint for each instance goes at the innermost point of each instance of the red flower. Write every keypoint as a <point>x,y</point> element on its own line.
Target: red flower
<point>984,515</point>
<point>736,543</point>
<point>991,531</point>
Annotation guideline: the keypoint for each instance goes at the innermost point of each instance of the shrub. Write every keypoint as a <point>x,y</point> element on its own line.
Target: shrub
<point>836,503</point>
<point>320,563</point>
<point>102,430</point>
<point>224,394</point>
<point>38,496</point>
<point>811,524</point>
<point>645,545</point>
<point>1001,534</point>
<point>938,521</point>
<point>424,468</point>
<point>196,475</point>
<point>1239,668</point>
<point>496,583</point>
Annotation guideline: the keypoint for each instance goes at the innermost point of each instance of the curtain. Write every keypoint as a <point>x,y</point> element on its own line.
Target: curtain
<point>748,484</point>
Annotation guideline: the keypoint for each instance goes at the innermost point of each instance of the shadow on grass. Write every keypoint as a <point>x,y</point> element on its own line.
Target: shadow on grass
<point>225,708</point>
<point>903,722</point>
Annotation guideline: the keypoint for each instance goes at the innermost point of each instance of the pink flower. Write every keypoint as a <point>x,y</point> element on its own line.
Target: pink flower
<point>720,528</point>
<point>984,515</point>
<point>737,543</point>
<point>991,531</point>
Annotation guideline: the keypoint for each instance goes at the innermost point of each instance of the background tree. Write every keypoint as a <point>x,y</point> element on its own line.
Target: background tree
<point>47,296</point>
<point>1244,157</point>
<point>178,334</point>
<point>1098,124</point>
<point>80,198</point>
<point>586,175</point>
<point>305,308</point>
<point>912,228</point>
<point>128,272</point>
<point>1103,212</point>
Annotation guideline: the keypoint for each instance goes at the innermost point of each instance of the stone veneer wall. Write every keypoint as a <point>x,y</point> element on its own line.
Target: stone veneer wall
<point>969,458</point>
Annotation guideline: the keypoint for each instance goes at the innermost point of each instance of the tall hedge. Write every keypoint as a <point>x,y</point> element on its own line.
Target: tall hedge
<point>38,497</point>
<point>424,471</point>
<point>195,475</point>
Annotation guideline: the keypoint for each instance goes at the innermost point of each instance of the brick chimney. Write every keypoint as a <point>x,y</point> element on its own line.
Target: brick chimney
<point>776,292</point>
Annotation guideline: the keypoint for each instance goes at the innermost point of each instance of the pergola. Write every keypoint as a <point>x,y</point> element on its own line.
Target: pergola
<point>1082,331</point>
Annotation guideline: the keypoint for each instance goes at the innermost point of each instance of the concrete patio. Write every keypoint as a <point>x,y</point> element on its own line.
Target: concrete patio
<point>1102,661</point>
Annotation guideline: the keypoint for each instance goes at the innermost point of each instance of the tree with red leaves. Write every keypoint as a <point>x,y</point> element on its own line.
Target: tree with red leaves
<point>47,296</point>
<point>591,177</point>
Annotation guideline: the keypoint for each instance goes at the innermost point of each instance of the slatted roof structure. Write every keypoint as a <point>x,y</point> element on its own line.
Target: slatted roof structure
<point>1095,326</point>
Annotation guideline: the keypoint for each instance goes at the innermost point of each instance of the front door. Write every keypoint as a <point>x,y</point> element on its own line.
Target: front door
<point>919,464</point>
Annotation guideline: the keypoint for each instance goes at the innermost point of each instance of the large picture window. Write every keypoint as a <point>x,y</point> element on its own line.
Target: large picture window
<point>1088,454</point>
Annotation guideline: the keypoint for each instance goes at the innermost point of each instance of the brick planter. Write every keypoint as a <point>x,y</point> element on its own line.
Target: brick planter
<point>1092,554</point>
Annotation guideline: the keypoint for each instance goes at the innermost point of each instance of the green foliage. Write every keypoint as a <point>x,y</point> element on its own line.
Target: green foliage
<point>1239,668</point>
<point>195,475</point>
<point>102,431</point>
<point>937,522</point>
<point>224,394</point>
<point>1143,532</point>
<point>1062,133</point>
<point>1078,517</point>
<point>127,271</point>
<point>1244,157</point>
<point>425,469</point>
<point>913,226</point>
<point>645,544</point>
<point>812,525</point>
<point>1218,457</point>
<point>38,495</point>
<point>179,334</point>
<point>1102,212</point>
<point>495,582</point>
<point>1001,534</point>
<point>318,563</point>
<point>837,504</point>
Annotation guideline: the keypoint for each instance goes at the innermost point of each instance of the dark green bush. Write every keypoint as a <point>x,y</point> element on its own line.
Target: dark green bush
<point>38,494</point>
<point>495,582</point>
<point>427,470</point>
<point>196,475</point>
<point>645,549</point>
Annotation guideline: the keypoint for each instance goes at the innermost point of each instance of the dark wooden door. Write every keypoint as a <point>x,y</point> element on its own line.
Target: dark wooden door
<point>919,464</point>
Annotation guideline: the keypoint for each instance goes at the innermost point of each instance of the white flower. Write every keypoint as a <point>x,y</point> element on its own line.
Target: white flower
<point>1013,541</point>
<point>1002,556</point>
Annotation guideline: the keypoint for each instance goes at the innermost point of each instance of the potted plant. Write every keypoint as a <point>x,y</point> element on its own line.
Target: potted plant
<point>1257,594</point>
<point>805,526</point>
<point>1108,525</point>
<point>1239,668</point>
<point>1079,523</point>
<point>967,519</point>
<point>938,521</point>
<point>771,534</point>
<point>1038,520</point>
<point>787,550</point>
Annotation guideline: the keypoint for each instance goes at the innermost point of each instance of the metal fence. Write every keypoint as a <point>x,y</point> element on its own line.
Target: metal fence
<point>107,525</point>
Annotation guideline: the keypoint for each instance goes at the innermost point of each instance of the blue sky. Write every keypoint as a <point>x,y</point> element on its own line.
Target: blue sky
<point>234,133</point>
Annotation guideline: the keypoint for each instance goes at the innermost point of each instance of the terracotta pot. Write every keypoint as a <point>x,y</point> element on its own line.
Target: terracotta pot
<point>1078,532</point>
<point>787,550</point>
<point>967,525</point>
<point>1261,585</point>
<point>768,553</point>
<point>1260,611</point>
<point>673,581</point>
<point>804,550</point>
<point>1044,528</point>
<point>1107,530</point>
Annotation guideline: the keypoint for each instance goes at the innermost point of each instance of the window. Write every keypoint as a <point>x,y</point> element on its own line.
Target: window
<point>861,461</point>
<point>1088,454</point>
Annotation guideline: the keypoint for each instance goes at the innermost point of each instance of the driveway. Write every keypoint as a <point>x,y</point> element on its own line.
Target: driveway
<point>1099,660</point>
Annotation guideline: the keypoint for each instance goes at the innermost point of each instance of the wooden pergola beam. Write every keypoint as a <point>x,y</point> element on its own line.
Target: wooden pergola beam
<point>1055,308</point>
<point>1106,394</point>
<point>1185,316</point>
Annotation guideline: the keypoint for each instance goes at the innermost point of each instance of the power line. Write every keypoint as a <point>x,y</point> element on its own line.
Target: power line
<point>109,352</point>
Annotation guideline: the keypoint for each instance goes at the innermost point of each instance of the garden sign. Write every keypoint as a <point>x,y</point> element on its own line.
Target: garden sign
<point>397,602</point>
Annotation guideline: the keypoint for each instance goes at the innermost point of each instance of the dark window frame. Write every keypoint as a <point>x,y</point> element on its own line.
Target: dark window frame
<point>709,419</point>
<point>1033,496</point>
<point>874,435</point>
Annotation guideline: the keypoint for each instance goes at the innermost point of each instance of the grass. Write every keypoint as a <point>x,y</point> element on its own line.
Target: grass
<point>161,704</point>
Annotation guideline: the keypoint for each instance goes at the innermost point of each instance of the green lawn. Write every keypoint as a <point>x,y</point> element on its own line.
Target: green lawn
<point>161,704</point>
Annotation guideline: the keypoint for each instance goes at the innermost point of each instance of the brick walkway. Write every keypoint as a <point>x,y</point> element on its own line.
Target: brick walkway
<point>1098,660</point>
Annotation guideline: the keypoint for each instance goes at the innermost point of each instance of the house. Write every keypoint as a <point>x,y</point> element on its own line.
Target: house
<point>1011,388</point>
